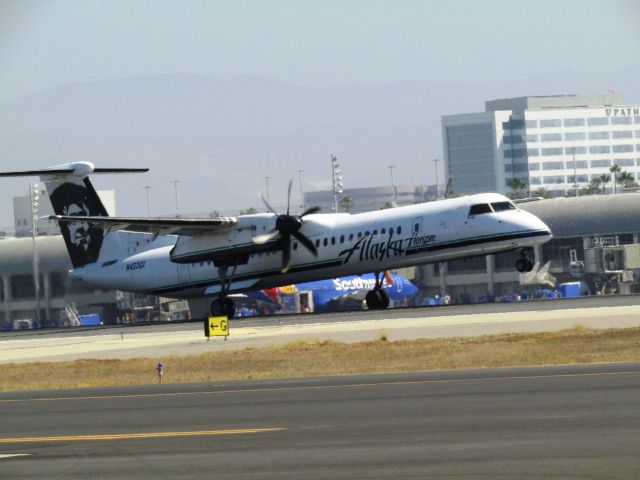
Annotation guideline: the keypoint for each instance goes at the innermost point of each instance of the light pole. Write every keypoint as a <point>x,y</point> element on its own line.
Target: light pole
<point>33,190</point>
<point>436,160</point>
<point>175,184</point>
<point>393,186</point>
<point>336,180</point>
<point>147,188</point>
<point>266,182</point>
<point>301,191</point>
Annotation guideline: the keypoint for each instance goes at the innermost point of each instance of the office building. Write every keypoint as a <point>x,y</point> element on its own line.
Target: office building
<point>558,143</point>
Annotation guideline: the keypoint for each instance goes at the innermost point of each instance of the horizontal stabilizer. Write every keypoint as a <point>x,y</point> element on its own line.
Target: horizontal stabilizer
<point>120,170</point>
<point>33,173</point>
<point>77,169</point>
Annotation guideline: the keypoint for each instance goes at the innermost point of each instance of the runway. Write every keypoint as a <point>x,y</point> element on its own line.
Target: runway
<point>552,422</point>
<point>155,341</point>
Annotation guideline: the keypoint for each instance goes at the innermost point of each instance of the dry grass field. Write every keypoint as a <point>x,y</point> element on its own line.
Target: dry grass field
<point>312,358</point>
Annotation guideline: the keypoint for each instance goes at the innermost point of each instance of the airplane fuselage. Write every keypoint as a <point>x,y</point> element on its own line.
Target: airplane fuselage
<point>347,244</point>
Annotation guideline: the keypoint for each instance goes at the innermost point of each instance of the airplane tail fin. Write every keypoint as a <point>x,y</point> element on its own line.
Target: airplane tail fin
<point>72,194</point>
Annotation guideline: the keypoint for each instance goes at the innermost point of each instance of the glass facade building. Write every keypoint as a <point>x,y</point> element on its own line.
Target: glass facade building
<point>556,142</point>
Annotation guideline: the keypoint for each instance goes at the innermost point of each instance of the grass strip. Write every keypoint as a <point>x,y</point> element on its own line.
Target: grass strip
<point>313,358</point>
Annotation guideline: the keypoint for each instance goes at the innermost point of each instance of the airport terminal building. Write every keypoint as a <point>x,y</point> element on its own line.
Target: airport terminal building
<point>559,143</point>
<point>367,199</point>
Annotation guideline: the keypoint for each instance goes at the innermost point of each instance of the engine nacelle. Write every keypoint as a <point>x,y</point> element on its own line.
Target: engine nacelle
<point>229,245</point>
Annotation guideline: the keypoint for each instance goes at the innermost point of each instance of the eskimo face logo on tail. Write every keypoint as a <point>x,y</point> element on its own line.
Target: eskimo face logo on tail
<point>78,231</point>
<point>82,238</point>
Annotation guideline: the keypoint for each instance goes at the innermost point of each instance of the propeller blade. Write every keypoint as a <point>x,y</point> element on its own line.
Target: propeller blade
<point>286,253</point>
<point>264,200</point>
<point>306,242</point>
<point>260,239</point>
<point>310,211</point>
<point>289,194</point>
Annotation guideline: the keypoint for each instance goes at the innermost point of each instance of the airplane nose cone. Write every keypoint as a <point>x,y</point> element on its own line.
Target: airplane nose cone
<point>535,224</point>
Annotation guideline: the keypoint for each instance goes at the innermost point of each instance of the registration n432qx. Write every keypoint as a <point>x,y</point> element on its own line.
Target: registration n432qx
<point>213,257</point>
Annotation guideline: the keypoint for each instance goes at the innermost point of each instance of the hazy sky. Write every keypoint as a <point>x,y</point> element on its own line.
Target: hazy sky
<point>44,43</point>
<point>315,43</point>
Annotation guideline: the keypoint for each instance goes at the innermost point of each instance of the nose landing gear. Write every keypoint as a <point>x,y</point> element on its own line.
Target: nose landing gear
<point>524,264</point>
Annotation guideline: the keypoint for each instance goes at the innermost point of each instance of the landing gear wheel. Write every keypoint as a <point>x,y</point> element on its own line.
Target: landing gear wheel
<point>221,307</point>
<point>230,307</point>
<point>384,299</point>
<point>524,265</point>
<point>377,300</point>
<point>373,300</point>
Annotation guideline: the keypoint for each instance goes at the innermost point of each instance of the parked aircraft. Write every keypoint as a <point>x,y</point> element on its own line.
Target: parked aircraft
<point>353,288</point>
<point>213,257</point>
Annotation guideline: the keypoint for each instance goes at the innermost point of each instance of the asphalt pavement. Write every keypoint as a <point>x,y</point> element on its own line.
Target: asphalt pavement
<point>564,422</point>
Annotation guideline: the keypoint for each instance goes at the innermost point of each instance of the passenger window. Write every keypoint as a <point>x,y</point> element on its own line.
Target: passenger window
<point>295,245</point>
<point>341,238</point>
<point>502,206</point>
<point>317,242</point>
<point>383,231</point>
<point>325,242</point>
<point>479,209</point>
<point>399,230</point>
<point>350,236</point>
<point>333,240</point>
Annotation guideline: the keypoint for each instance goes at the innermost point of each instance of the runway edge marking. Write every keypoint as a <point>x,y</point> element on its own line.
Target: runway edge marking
<point>131,436</point>
<point>320,387</point>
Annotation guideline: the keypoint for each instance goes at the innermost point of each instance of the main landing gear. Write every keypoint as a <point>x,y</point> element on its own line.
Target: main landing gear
<point>377,299</point>
<point>223,305</point>
<point>524,264</point>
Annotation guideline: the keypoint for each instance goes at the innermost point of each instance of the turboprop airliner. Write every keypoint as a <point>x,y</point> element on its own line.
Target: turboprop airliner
<point>214,257</point>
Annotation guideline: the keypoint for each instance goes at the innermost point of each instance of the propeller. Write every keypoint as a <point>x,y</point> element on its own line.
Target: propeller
<point>288,226</point>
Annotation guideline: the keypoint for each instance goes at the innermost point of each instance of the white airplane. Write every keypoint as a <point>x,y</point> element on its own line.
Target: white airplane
<point>213,257</point>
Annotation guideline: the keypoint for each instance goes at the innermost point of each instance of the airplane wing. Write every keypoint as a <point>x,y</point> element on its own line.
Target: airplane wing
<point>159,226</point>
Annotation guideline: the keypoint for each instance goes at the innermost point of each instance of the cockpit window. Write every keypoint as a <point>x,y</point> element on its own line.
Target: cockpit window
<point>502,206</point>
<point>479,209</point>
